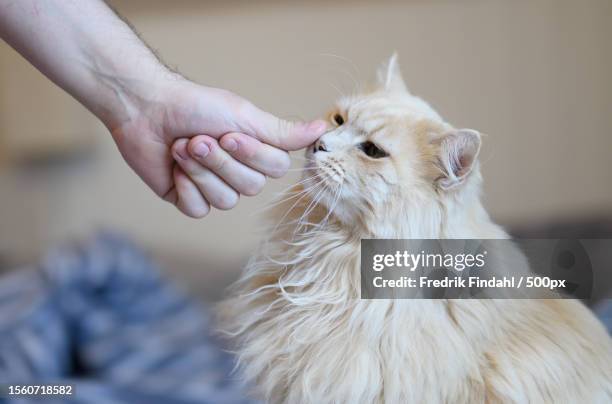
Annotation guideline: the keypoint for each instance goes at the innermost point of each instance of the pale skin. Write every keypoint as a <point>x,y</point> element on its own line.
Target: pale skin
<point>195,146</point>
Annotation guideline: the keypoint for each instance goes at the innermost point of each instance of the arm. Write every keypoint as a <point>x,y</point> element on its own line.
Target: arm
<point>96,57</point>
<point>86,50</point>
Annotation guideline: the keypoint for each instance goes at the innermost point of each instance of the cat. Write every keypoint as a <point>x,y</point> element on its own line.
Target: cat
<point>391,167</point>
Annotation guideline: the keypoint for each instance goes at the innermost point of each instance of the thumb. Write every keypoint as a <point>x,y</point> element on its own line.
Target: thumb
<point>286,135</point>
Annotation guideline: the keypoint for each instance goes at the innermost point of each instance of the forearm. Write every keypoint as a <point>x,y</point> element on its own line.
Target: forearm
<point>86,49</point>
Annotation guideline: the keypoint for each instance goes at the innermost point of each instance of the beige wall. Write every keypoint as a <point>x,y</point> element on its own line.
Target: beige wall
<point>533,75</point>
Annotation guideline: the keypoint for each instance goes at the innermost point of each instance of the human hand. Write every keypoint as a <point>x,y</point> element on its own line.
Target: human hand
<point>223,145</point>
<point>147,107</point>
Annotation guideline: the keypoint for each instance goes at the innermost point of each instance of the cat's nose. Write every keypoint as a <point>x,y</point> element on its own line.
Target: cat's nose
<point>319,146</point>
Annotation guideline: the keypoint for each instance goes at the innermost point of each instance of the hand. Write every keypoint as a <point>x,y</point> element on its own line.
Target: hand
<point>223,144</point>
<point>147,107</point>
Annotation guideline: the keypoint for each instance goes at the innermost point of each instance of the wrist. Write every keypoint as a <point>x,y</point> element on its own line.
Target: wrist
<point>126,96</point>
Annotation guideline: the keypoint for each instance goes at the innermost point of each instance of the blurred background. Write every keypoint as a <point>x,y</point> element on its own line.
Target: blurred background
<point>533,75</point>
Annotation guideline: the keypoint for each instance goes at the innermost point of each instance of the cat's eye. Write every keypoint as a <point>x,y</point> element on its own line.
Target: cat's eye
<point>338,119</point>
<point>371,150</point>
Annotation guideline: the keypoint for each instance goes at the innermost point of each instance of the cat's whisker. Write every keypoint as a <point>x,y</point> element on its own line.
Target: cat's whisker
<point>333,206</point>
<point>291,194</point>
<point>301,223</point>
<point>355,85</point>
<point>296,157</point>
<point>323,221</point>
<point>301,182</point>
<point>313,204</point>
<point>303,169</point>
<point>315,200</point>
<point>277,203</point>
<point>315,186</point>
<point>340,92</point>
<point>489,158</point>
<point>343,58</point>
<point>345,71</point>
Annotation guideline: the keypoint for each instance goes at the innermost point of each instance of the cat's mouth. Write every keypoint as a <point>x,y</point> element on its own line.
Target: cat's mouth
<point>326,170</point>
<point>325,165</point>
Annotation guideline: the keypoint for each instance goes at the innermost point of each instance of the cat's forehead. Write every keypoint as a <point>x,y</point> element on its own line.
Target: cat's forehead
<point>397,121</point>
<point>376,108</point>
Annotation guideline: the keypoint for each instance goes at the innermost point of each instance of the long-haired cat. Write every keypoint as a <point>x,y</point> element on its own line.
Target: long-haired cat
<point>391,167</point>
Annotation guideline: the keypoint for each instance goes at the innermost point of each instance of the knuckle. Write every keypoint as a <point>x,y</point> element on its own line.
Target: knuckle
<point>246,153</point>
<point>248,149</point>
<point>176,147</point>
<point>218,162</point>
<point>235,103</point>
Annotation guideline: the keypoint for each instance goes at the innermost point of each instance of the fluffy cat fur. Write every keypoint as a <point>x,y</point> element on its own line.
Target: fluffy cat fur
<point>303,335</point>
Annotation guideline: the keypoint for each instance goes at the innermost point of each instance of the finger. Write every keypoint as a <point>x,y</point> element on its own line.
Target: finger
<point>208,153</point>
<point>215,190</point>
<point>261,157</point>
<point>189,200</point>
<point>283,134</point>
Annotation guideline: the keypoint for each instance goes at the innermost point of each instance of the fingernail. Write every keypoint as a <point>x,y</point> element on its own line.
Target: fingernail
<point>318,126</point>
<point>229,144</point>
<point>201,150</point>
<point>180,155</point>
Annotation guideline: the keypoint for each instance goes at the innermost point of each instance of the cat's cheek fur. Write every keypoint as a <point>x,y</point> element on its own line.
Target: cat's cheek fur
<point>389,175</point>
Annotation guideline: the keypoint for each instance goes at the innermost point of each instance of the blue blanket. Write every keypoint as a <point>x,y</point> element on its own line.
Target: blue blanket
<point>99,316</point>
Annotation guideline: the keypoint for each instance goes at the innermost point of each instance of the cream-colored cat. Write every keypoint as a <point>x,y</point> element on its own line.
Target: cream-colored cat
<point>392,168</point>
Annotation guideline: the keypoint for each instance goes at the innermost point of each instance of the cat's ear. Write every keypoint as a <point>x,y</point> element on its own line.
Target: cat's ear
<point>458,151</point>
<point>389,76</point>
